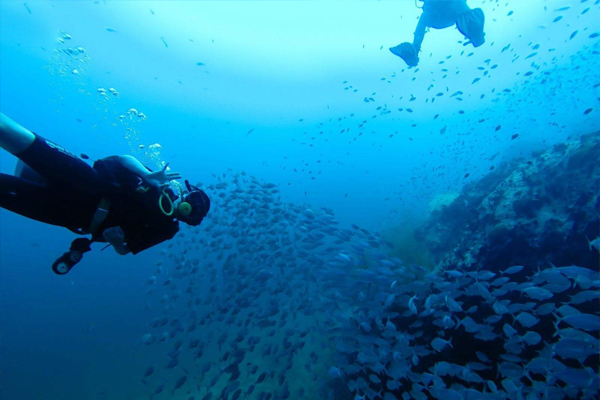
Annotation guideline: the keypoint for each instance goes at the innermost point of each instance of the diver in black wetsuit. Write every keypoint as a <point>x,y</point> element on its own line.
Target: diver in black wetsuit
<point>118,200</point>
<point>441,14</point>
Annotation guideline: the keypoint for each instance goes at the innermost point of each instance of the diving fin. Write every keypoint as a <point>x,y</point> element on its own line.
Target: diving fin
<point>407,52</point>
<point>470,24</point>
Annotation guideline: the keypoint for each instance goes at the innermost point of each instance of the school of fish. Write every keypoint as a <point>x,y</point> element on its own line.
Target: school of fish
<point>272,300</point>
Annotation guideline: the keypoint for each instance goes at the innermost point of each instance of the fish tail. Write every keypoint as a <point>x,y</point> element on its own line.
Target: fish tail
<point>589,243</point>
<point>556,324</point>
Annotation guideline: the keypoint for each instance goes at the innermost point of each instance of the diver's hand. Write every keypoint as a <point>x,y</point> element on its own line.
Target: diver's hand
<point>162,177</point>
<point>114,235</point>
<point>116,238</point>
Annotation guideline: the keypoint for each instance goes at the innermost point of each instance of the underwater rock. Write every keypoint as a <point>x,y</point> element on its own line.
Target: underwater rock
<point>527,211</point>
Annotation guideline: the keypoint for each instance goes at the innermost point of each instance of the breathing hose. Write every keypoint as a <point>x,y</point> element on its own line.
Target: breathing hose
<point>164,194</point>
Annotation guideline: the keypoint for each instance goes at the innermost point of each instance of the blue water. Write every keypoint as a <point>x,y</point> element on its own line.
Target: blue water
<point>281,95</point>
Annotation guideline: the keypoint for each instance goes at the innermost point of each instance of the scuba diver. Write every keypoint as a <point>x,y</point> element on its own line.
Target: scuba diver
<point>440,14</point>
<point>118,200</point>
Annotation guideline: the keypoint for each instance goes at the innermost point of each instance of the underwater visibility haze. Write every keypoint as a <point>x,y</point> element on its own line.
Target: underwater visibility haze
<point>384,223</point>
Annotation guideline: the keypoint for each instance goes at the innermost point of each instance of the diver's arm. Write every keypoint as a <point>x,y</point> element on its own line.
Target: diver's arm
<point>157,178</point>
<point>13,137</point>
<point>420,32</point>
<point>133,165</point>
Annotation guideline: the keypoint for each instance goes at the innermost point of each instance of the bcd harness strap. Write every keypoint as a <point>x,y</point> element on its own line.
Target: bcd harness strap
<point>99,216</point>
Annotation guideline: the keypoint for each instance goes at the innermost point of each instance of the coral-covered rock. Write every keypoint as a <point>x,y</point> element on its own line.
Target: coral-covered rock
<point>529,212</point>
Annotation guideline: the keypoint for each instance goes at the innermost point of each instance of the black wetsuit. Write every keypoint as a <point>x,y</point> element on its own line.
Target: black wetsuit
<point>67,192</point>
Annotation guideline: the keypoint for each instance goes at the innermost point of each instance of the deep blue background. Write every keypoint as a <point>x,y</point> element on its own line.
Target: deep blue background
<point>278,68</point>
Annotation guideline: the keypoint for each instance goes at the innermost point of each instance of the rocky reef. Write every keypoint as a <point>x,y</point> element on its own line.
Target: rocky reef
<point>526,212</point>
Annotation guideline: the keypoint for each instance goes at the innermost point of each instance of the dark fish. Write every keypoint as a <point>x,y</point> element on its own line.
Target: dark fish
<point>200,64</point>
<point>180,382</point>
<point>173,362</point>
<point>261,378</point>
<point>205,368</point>
<point>236,394</point>
<point>111,30</point>
<point>532,55</point>
<point>159,389</point>
<point>149,371</point>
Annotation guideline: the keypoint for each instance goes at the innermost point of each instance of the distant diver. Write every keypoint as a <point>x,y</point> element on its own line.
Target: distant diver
<point>118,200</point>
<point>440,14</point>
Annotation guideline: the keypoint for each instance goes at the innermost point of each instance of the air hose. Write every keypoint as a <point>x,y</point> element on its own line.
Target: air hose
<point>164,194</point>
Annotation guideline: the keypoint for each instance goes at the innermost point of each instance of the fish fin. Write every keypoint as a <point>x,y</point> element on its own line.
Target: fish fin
<point>589,243</point>
<point>458,321</point>
<point>556,324</point>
